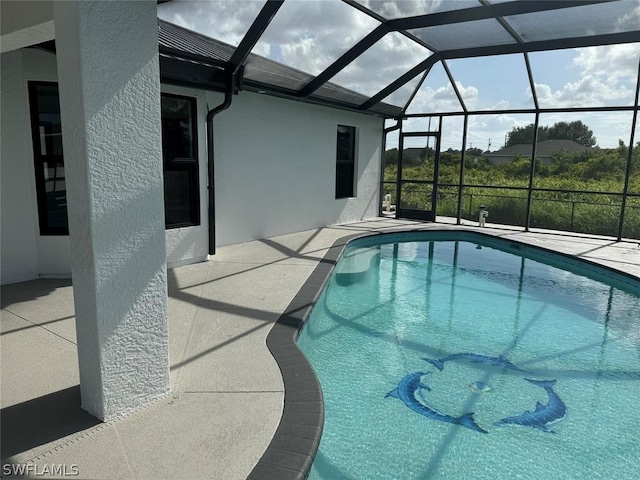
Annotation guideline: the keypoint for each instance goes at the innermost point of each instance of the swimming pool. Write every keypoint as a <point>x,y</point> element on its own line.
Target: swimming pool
<point>460,357</point>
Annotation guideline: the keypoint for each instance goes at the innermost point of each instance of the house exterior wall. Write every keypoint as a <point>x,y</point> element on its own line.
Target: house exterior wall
<point>25,253</point>
<point>191,244</point>
<point>275,172</point>
<point>19,259</point>
<point>276,163</point>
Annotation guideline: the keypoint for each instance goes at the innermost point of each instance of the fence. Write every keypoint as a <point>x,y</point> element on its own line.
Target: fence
<point>565,214</point>
<point>581,216</point>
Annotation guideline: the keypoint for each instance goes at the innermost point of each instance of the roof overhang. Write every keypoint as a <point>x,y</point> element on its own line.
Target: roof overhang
<point>25,23</point>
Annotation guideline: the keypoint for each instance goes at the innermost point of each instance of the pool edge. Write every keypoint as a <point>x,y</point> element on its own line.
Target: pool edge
<point>294,445</point>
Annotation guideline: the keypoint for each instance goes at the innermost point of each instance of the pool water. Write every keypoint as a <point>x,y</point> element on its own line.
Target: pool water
<point>453,359</point>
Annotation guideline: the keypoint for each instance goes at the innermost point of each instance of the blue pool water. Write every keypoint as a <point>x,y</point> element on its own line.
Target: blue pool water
<point>454,359</point>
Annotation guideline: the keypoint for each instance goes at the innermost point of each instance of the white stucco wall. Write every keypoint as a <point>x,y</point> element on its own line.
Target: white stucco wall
<point>19,257</point>
<point>275,172</point>
<point>25,253</point>
<point>21,237</point>
<point>53,250</point>
<point>275,167</point>
<point>191,244</point>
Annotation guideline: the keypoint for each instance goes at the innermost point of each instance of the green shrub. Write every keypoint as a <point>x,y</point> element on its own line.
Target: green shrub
<point>565,193</point>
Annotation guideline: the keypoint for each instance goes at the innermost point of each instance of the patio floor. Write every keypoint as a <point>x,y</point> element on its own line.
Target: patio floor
<point>227,391</point>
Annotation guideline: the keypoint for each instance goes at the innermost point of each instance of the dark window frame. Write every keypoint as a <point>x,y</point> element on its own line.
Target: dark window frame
<point>189,165</point>
<point>185,164</point>
<point>346,165</point>
<point>39,161</point>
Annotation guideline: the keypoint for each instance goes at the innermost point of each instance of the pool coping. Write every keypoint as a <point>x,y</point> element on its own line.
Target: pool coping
<point>296,440</point>
<point>295,443</point>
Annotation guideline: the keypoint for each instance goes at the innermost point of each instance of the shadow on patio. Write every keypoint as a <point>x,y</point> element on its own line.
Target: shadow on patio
<point>227,398</point>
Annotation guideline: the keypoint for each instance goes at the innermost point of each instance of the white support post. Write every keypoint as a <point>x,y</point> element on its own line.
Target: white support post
<point>107,55</point>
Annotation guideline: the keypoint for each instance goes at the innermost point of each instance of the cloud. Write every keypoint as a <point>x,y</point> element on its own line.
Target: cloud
<point>443,98</point>
<point>401,96</point>
<point>310,35</point>
<point>383,63</point>
<point>631,20</point>
<point>500,105</point>
<point>607,77</point>
<point>223,20</point>
<point>410,8</point>
<point>489,132</point>
<point>484,131</point>
<point>612,62</point>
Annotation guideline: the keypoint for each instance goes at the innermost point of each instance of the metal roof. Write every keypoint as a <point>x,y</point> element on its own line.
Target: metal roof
<point>444,30</point>
<point>190,58</point>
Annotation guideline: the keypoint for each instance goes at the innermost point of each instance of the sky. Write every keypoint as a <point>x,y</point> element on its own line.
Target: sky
<point>310,34</point>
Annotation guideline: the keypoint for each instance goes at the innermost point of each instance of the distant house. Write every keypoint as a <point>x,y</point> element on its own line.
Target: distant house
<point>544,151</point>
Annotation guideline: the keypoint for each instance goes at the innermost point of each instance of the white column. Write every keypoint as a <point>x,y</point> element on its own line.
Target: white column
<point>107,54</point>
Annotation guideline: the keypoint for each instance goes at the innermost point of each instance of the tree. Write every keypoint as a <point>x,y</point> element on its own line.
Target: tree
<point>475,152</point>
<point>520,135</point>
<point>576,131</point>
<point>391,157</point>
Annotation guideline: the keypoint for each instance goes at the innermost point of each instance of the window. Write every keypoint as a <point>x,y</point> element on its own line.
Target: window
<point>179,148</point>
<point>46,132</point>
<point>179,152</point>
<point>345,161</point>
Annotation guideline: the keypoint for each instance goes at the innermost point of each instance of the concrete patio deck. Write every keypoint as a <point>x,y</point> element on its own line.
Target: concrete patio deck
<point>227,391</point>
